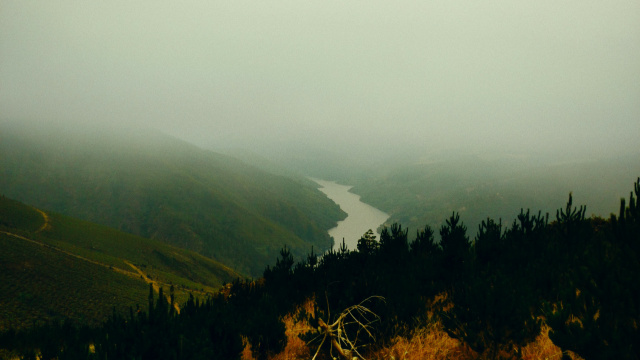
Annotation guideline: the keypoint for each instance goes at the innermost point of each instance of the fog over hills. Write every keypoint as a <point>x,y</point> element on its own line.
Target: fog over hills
<point>367,80</point>
<point>150,184</point>
<point>368,93</point>
<point>426,193</point>
<point>184,135</point>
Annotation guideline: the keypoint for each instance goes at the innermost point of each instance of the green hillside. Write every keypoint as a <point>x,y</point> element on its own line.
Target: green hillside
<point>156,186</point>
<point>67,268</point>
<point>37,284</point>
<point>426,192</point>
<point>15,215</point>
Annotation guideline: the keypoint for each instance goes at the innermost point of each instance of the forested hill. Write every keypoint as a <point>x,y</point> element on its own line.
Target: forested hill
<point>426,191</point>
<point>568,278</point>
<point>150,184</point>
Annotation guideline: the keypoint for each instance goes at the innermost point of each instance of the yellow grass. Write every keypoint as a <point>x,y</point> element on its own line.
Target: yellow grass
<point>434,343</point>
<point>296,348</point>
<point>543,348</point>
<point>425,343</point>
<point>428,343</point>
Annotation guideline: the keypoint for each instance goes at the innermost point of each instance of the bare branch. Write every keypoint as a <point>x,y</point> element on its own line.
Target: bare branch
<point>340,340</point>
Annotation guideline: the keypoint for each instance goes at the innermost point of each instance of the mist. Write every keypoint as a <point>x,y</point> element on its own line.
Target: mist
<point>367,79</point>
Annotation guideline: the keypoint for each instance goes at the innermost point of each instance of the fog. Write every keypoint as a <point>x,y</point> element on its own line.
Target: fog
<point>357,77</point>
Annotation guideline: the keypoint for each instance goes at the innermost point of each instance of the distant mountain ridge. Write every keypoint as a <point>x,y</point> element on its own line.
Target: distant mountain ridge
<point>151,184</point>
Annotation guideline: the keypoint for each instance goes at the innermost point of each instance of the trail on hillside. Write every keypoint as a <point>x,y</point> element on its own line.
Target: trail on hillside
<point>68,253</point>
<point>45,225</point>
<point>137,274</point>
<point>153,283</point>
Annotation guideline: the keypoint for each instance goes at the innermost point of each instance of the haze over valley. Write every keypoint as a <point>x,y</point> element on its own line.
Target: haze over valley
<point>223,150</point>
<point>353,92</point>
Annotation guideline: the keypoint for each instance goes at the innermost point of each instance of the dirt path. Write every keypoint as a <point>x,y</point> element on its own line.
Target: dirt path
<point>118,270</point>
<point>45,225</point>
<point>137,274</point>
<point>154,284</point>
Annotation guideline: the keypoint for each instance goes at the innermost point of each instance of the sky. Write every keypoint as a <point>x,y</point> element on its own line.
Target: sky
<point>369,76</point>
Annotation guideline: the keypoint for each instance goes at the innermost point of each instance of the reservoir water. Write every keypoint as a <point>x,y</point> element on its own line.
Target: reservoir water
<point>360,216</point>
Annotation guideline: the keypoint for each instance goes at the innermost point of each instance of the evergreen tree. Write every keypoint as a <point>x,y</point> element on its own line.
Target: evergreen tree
<point>598,311</point>
<point>424,244</point>
<point>367,244</point>
<point>456,256</point>
<point>394,242</point>
<point>425,264</point>
<point>493,305</point>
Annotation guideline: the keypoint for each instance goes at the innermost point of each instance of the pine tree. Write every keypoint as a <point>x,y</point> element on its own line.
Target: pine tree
<point>598,311</point>
<point>456,256</point>
<point>494,304</point>
<point>367,244</point>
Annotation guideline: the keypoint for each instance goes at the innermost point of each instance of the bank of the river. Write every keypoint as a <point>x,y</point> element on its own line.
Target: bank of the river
<point>360,216</point>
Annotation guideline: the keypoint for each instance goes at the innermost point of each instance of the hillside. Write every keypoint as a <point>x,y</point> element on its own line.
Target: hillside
<point>427,191</point>
<point>538,288</point>
<point>150,184</point>
<point>56,267</point>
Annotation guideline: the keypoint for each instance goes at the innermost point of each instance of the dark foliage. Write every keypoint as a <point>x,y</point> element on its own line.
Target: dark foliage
<point>205,330</point>
<point>494,305</point>
<point>597,313</point>
<point>578,275</point>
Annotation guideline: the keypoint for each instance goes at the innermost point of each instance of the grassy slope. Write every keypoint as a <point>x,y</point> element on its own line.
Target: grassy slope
<point>156,186</point>
<point>40,283</point>
<point>112,247</point>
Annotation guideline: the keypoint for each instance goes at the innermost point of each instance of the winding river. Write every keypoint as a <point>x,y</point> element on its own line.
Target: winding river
<point>360,216</point>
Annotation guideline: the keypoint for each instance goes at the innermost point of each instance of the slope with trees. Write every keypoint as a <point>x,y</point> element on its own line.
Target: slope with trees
<point>156,186</point>
<point>492,292</point>
<point>424,191</point>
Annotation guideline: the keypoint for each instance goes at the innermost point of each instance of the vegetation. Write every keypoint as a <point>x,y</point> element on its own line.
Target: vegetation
<point>160,261</point>
<point>60,268</point>
<point>425,191</point>
<point>15,215</point>
<point>159,187</point>
<point>576,275</point>
<point>38,285</point>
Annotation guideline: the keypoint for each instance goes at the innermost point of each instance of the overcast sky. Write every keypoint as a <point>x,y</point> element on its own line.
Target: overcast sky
<point>384,74</point>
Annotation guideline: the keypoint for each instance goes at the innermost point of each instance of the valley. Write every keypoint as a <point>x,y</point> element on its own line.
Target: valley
<point>110,223</point>
<point>152,185</point>
<point>360,216</point>
<point>284,180</point>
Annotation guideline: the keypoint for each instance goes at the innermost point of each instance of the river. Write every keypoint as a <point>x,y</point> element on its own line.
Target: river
<point>360,216</point>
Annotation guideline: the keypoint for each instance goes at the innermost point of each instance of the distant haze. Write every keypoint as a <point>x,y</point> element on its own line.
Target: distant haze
<point>366,77</point>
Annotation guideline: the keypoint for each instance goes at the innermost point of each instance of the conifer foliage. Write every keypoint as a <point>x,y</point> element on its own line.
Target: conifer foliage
<point>598,312</point>
<point>577,275</point>
<point>494,305</point>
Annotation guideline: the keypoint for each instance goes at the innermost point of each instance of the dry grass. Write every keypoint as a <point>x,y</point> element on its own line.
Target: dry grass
<point>427,343</point>
<point>543,348</point>
<point>434,343</point>
<point>246,352</point>
<point>296,348</point>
